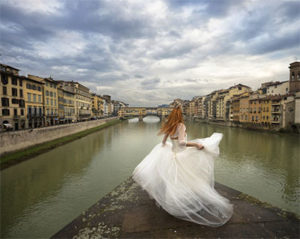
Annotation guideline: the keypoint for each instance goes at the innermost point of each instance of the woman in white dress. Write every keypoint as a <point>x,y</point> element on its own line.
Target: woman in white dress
<point>179,175</point>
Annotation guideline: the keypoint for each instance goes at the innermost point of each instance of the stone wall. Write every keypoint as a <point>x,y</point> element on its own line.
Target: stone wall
<point>16,140</point>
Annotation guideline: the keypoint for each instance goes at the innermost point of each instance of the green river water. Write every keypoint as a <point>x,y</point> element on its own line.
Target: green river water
<point>43,194</point>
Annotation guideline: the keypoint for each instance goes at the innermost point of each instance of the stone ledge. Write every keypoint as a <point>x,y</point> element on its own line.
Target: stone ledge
<point>128,212</point>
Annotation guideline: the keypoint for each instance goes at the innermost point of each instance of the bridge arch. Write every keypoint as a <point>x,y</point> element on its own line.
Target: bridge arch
<point>141,112</point>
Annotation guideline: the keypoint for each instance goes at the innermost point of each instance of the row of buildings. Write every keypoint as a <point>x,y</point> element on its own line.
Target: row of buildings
<point>273,105</point>
<point>33,101</point>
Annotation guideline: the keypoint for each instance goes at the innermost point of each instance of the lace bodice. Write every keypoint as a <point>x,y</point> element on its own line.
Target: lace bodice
<point>180,135</point>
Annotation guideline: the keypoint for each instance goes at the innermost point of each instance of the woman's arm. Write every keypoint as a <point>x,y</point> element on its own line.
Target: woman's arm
<point>181,138</point>
<point>165,139</point>
<point>191,144</point>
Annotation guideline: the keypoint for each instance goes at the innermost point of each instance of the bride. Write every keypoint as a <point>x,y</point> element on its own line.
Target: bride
<point>179,175</point>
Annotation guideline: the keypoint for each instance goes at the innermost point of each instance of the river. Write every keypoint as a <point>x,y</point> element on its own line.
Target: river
<point>41,195</point>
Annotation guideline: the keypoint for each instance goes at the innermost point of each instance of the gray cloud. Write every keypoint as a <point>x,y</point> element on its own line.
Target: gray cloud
<point>151,51</point>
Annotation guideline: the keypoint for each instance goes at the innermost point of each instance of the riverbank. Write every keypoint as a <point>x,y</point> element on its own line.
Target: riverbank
<point>15,157</point>
<point>295,130</point>
<point>128,212</point>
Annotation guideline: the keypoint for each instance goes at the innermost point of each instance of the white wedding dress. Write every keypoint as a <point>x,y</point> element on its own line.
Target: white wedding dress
<point>181,179</point>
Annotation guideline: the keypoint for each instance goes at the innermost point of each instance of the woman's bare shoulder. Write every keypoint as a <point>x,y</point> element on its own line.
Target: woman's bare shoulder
<point>181,125</point>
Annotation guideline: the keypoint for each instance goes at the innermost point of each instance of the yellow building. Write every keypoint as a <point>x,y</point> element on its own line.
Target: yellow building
<point>266,106</point>
<point>212,106</point>
<point>69,106</point>
<point>255,109</point>
<point>244,115</point>
<point>97,105</point>
<point>61,113</point>
<point>232,91</point>
<point>50,96</point>
<point>33,93</point>
<point>66,99</point>
<point>12,110</point>
<point>221,105</point>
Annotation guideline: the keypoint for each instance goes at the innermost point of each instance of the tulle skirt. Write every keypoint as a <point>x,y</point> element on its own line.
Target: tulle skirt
<point>181,180</point>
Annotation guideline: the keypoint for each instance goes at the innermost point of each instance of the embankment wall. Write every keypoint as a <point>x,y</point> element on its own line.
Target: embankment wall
<point>16,140</point>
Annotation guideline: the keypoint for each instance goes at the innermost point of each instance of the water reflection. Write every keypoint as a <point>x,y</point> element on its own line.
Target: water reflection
<point>147,119</point>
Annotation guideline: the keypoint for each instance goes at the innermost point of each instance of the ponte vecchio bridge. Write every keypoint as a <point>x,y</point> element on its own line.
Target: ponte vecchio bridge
<point>141,112</point>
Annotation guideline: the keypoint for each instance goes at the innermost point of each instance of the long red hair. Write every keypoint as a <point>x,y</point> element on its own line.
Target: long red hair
<point>169,127</point>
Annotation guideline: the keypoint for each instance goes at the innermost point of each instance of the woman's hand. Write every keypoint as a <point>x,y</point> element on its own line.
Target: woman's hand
<point>200,146</point>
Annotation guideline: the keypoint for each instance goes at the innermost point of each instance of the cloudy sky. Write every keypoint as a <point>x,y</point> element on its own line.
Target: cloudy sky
<point>149,52</point>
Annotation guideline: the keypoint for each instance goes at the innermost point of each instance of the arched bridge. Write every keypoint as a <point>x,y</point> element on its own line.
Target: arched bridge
<point>141,112</point>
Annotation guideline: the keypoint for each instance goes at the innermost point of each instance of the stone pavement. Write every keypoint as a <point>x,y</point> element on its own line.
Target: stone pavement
<point>128,212</point>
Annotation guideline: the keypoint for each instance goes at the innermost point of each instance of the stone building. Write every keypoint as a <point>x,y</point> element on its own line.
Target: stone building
<point>275,88</point>
<point>294,77</point>
<point>82,98</point>
<point>12,108</point>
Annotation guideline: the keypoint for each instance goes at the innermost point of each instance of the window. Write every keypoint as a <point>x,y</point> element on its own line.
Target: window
<point>47,101</point>
<point>15,112</point>
<point>4,79</point>
<point>51,85</point>
<point>29,97</point>
<point>4,90</point>
<point>14,101</point>
<point>51,94</point>
<point>54,94</point>
<point>22,103</point>
<point>5,101</point>
<point>22,112</point>
<point>21,93</point>
<point>33,87</point>
<point>47,83</point>
<point>54,102</point>
<point>51,102</point>
<point>14,92</point>
<point>39,88</point>
<point>35,110</point>
<point>40,111</point>
<point>14,81</point>
<point>5,112</point>
<point>47,93</point>
<point>286,89</point>
<point>34,97</point>
<point>28,86</point>
<point>40,98</point>
<point>20,82</point>
<point>29,110</point>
